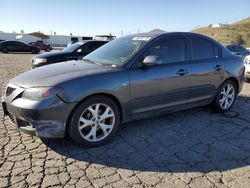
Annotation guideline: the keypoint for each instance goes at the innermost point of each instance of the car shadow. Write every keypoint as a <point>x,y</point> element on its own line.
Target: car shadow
<point>187,141</point>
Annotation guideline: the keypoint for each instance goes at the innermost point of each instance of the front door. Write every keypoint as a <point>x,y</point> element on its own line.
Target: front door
<point>164,85</point>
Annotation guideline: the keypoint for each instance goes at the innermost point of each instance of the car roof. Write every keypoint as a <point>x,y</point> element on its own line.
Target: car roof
<point>87,41</point>
<point>155,34</point>
<point>93,41</point>
<point>159,34</point>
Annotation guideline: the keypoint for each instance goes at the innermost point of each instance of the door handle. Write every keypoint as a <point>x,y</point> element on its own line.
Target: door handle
<point>218,67</point>
<point>182,72</point>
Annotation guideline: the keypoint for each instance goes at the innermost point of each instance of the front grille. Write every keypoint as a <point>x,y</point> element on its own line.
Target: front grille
<point>12,118</point>
<point>9,90</point>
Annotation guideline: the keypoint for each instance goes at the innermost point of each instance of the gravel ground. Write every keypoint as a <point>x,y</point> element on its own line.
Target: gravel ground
<point>193,148</point>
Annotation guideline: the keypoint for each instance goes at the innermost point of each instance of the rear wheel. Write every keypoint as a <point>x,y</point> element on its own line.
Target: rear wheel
<point>226,96</point>
<point>94,122</point>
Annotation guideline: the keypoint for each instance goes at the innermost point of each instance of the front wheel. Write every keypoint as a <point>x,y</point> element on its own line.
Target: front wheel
<point>225,96</point>
<point>5,50</point>
<point>94,122</point>
<point>34,51</point>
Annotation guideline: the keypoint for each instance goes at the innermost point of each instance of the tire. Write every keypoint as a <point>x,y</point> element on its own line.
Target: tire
<point>91,129</point>
<point>223,102</point>
<point>34,51</point>
<point>5,50</point>
<point>47,49</point>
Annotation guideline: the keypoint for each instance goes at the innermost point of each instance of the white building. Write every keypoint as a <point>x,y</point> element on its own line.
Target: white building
<point>54,40</point>
<point>16,36</point>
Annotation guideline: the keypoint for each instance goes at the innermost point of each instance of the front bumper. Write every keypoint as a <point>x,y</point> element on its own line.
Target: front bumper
<point>46,118</point>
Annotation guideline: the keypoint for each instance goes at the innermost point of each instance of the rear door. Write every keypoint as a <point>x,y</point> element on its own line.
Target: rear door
<point>207,68</point>
<point>164,85</point>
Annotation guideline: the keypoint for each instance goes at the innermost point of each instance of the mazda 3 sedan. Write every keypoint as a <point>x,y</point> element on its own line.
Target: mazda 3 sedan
<point>129,78</point>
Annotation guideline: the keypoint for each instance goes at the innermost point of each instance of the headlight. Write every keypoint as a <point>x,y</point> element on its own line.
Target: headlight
<point>37,94</point>
<point>39,60</point>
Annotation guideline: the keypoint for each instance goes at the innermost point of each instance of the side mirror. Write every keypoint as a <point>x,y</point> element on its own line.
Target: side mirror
<point>151,60</point>
<point>79,50</point>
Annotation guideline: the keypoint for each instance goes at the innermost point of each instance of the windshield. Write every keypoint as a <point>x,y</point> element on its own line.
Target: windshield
<point>118,52</point>
<point>72,47</point>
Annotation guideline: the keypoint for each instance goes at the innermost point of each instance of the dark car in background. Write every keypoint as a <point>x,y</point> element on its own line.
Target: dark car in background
<point>75,51</point>
<point>238,50</point>
<point>129,78</point>
<point>41,45</point>
<point>17,46</point>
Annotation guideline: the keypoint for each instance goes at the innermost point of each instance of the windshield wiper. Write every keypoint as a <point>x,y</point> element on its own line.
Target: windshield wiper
<point>90,61</point>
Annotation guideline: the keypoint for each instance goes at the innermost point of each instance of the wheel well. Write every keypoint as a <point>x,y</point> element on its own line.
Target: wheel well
<point>112,97</point>
<point>235,81</point>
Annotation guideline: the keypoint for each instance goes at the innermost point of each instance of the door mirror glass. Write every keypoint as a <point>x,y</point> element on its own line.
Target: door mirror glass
<point>151,60</point>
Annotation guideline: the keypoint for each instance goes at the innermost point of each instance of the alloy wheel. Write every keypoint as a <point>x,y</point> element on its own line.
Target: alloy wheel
<point>96,122</point>
<point>227,96</point>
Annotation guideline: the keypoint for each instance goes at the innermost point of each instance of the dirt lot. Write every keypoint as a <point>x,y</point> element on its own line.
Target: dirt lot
<point>193,148</point>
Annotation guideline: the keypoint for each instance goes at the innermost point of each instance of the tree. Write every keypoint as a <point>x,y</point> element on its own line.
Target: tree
<point>238,39</point>
<point>39,35</point>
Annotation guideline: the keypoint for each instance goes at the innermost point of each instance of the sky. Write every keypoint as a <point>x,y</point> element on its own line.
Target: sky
<point>91,17</point>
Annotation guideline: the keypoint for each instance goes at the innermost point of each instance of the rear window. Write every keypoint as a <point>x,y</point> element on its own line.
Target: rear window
<point>202,49</point>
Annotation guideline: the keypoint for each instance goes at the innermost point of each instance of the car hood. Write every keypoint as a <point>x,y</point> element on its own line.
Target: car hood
<point>54,74</point>
<point>48,55</point>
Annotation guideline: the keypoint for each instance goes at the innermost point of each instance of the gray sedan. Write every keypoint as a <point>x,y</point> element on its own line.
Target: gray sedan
<point>130,78</point>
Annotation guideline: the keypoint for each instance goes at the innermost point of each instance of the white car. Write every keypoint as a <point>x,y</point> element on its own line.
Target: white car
<point>247,68</point>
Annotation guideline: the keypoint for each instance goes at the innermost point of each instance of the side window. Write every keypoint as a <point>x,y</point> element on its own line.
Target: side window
<point>87,48</point>
<point>217,51</point>
<point>84,48</point>
<point>239,49</point>
<point>19,44</point>
<point>231,48</point>
<point>169,50</point>
<point>100,44</point>
<point>92,47</point>
<point>202,49</point>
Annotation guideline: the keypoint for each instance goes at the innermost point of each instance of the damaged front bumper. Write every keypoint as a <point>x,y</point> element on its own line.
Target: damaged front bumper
<point>39,118</point>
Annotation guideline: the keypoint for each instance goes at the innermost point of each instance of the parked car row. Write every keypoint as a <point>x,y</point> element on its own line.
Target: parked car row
<point>129,78</point>
<point>238,50</point>
<point>73,52</point>
<point>17,46</point>
<point>247,68</point>
<point>41,45</point>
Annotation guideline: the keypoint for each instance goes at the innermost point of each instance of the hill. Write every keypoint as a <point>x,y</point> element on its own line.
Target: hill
<point>157,30</point>
<point>236,33</point>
